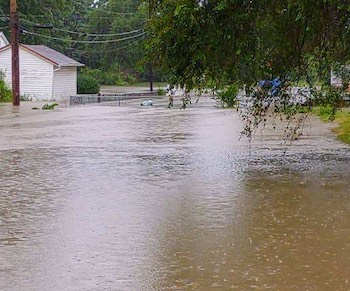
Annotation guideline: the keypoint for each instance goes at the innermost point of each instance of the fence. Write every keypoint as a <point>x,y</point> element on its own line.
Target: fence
<point>89,98</point>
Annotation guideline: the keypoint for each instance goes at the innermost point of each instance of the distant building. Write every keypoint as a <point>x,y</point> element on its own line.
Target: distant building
<point>335,80</point>
<point>45,74</point>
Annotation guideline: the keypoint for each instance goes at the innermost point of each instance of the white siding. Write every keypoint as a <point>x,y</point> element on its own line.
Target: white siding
<point>5,66</point>
<point>3,40</point>
<point>335,80</point>
<point>65,83</point>
<point>36,74</point>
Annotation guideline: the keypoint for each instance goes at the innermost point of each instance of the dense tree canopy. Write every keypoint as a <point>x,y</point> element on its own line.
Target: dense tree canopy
<point>105,35</point>
<point>228,41</point>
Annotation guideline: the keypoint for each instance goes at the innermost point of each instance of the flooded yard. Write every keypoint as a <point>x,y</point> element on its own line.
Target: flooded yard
<point>130,198</point>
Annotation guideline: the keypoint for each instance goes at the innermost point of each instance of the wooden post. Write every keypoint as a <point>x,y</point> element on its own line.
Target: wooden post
<point>150,65</point>
<point>150,76</point>
<point>14,22</point>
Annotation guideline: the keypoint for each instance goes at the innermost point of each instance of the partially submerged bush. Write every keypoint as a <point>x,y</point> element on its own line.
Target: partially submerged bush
<point>229,95</point>
<point>88,85</point>
<point>161,92</point>
<point>5,92</point>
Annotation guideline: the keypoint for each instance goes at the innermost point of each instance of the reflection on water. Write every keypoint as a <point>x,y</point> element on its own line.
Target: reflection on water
<point>122,198</point>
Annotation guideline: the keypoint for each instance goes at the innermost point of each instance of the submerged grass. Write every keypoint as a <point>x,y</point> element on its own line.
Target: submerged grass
<point>341,117</point>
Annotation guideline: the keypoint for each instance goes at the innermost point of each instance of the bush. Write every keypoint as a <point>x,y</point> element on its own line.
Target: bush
<point>88,85</point>
<point>161,92</point>
<point>229,95</point>
<point>112,76</point>
<point>5,92</point>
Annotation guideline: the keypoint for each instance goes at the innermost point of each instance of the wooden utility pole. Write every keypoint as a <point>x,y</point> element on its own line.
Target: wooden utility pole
<point>14,23</point>
<point>150,65</point>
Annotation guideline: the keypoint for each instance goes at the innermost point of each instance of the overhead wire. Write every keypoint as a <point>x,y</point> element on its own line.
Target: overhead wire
<point>89,34</point>
<point>79,17</point>
<point>96,11</point>
<point>85,41</point>
<point>112,50</point>
<point>118,13</point>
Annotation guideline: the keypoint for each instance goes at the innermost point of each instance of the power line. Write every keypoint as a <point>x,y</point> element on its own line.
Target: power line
<point>85,41</point>
<point>89,34</point>
<point>115,49</point>
<point>99,35</point>
<point>93,11</point>
<point>119,13</point>
<point>78,17</point>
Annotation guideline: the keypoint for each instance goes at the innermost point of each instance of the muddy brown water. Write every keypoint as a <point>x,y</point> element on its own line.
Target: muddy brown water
<point>131,198</point>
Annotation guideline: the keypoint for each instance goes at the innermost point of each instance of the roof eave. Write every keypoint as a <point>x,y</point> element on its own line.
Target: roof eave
<point>71,65</point>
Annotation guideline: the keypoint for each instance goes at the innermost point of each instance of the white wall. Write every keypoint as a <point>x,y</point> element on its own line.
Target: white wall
<point>5,66</point>
<point>335,80</point>
<point>3,42</point>
<point>65,83</point>
<point>35,74</point>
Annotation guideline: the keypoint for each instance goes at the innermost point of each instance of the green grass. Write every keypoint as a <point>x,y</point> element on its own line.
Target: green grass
<point>341,117</point>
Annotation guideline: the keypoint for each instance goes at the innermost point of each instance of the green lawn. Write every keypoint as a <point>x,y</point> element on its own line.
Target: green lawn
<point>342,118</point>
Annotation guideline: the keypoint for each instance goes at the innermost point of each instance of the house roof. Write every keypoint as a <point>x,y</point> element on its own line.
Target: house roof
<point>49,55</point>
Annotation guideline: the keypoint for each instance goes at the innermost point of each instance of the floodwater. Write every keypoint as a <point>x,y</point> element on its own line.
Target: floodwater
<point>130,198</point>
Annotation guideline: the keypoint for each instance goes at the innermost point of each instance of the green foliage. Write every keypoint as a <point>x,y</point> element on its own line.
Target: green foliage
<point>223,42</point>
<point>5,92</point>
<point>343,129</point>
<point>109,77</point>
<point>229,95</point>
<point>341,117</point>
<point>161,92</point>
<point>89,20</point>
<point>204,44</point>
<point>329,100</point>
<point>327,113</point>
<point>87,84</point>
<point>48,106</point>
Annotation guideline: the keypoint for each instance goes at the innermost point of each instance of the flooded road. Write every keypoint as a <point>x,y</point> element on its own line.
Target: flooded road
<point>130,198</point>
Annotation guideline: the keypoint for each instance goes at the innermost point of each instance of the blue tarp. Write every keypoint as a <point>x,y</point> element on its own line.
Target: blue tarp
<point>274,85</point>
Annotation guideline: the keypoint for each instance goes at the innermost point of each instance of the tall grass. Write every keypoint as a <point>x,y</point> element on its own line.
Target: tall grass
<point>341,117</point>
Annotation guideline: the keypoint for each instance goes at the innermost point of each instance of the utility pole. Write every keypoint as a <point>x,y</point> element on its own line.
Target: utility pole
<point>150,65</point>
<point>14,23</point>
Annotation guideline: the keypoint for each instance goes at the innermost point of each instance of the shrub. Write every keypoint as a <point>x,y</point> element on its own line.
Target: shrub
<point>161,92</point>
<point>112,76</point>
<point>88,85</point>
<point>5,92</point>
<point>229,95</point>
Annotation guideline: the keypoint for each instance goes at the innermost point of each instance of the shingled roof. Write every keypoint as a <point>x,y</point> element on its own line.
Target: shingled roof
<point>52,55</point>
<point>49,55</point>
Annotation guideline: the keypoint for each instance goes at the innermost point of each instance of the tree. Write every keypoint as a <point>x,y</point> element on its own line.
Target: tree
<point>221,42</point>
<point>229,41</point>
<point>95,33</point>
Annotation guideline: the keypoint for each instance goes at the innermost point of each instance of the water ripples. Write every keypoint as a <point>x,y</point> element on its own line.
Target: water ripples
<point>112,198</point>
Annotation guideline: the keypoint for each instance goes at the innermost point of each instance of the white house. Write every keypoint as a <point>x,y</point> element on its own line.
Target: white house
<point>3,40</point>
<point>45,74</point>
<point>335,80</point>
